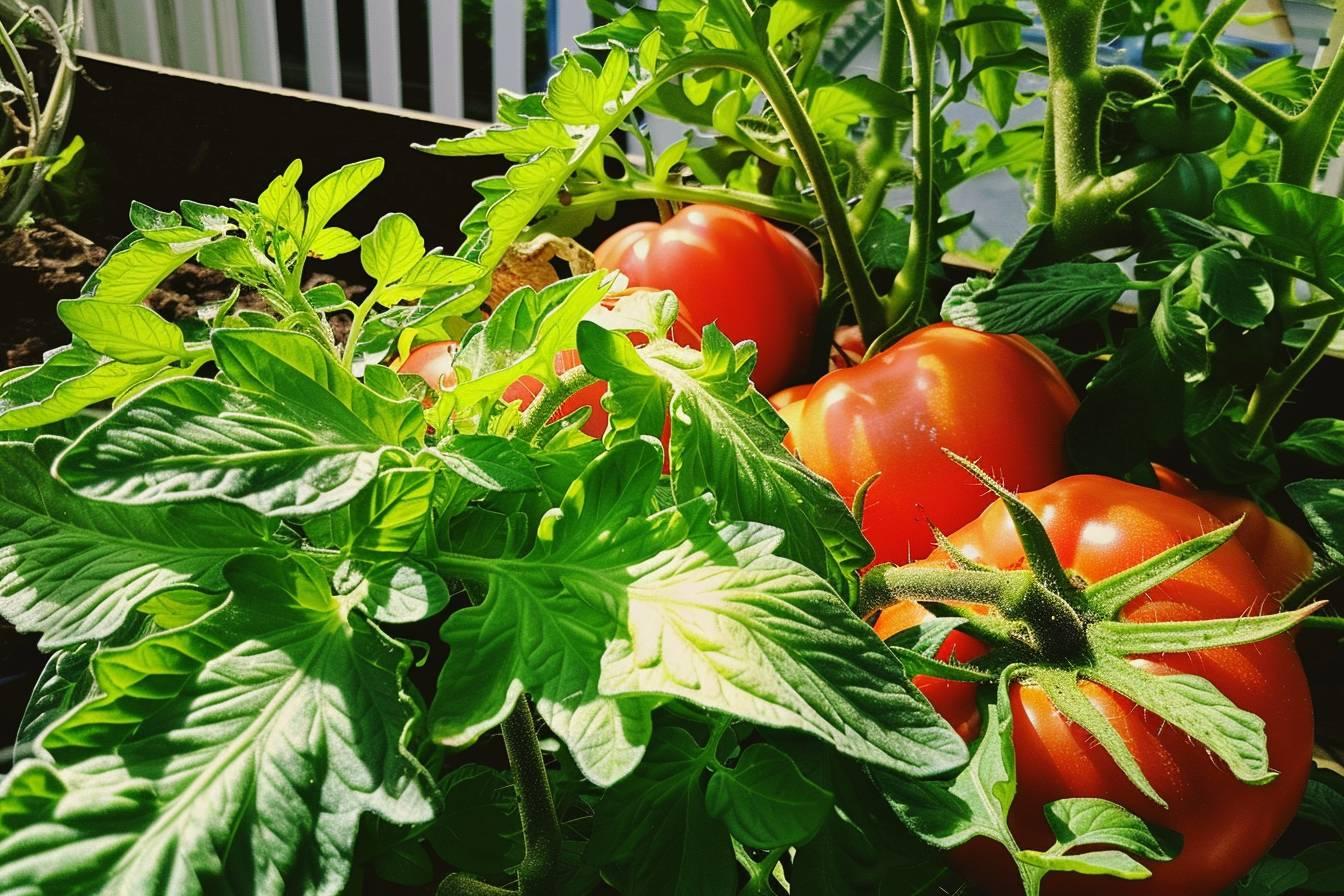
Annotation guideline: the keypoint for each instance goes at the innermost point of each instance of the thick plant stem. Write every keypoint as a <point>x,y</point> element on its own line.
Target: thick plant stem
<point>800,213</point>
<point>545,405</point>
<point>907,293</point>
<point>1304,143</point>
<point>1213,25</point>
<point>890,65</point>
<point>536,807</point>
<point>784,100</point>
<point>1273,393</point>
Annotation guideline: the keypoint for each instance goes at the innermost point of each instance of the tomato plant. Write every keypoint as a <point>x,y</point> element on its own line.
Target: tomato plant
<point>996,398</point>
<point>296,593</point>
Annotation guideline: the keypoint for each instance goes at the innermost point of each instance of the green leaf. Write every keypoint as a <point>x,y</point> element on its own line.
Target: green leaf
<point>65,681</point>
<point>237,259</point>
<point>523,336</point>
<point>843,103</point>
<point>1107,861</point>
<point>388,517</point>
<point>433,275</point>
<point>333,241</point>
<point>1291,220</point>
<point>333,192</point>
<point>991,29</point>
<point>1322,502</point>
<point>134,268</point>
<point>975,803</point>
<point>396,591</point>
<point>667,603</point>
<point>130,333</point>
<point>727,440</point>
<point>652,832</point>
<point>243,748</point>
<point>1325,863</point>
<point>1273,876</point>
<point>68,381</point>
<point>189,439</point>
<point>1236,289</point>
<point>514,143</point>
<point>1132,406</point>
<point>295,368</point>
<point>1182,338</point>
<point>1042,301</point>
<point>543,627</point>
<point>392,249</point>
<point>1323,801</point>
<point>280,204</point>
<point>1321,439</point>
<point>73,569</point>
<point>723,623</point>
<point>765,801</point>
<point>488,840</point>
<point>492,463</point>
<point>1083,821</point>
<point>1198,708</point>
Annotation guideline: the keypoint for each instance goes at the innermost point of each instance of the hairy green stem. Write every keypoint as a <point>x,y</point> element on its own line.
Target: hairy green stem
<point>907,292</point>
<point>1214,24</point>
<point>1253,103</point>
<point>357,327</point>
<point>1308,133</point>
<point>1274,390</point>
<point>783,98</point>
<point>799,213</point>
<point>536,807</point>
<point>462,885</point>
<point>890,66</point>
<point>544,406</point>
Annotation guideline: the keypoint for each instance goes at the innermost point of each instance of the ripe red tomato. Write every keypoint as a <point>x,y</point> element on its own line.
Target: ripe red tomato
<point>995,399</point>
<point>1100,527</point>
<point>1283,557</point>
<point>731,268</point>
<point>434,363</point>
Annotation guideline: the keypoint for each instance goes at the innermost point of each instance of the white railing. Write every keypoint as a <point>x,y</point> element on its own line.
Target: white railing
<point>241,39</point>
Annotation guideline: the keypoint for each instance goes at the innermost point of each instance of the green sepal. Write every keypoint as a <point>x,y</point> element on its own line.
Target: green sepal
<point>1111,595</point>
<point>1041,556</point>
<point>1124,638</point>
<point>1061,686</point>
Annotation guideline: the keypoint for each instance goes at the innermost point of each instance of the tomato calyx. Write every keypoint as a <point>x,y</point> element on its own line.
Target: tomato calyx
<point>1049,628</point>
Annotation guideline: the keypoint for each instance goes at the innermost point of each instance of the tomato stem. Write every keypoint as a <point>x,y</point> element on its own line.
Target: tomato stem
<point>536,807</point>
<point>545,405</point>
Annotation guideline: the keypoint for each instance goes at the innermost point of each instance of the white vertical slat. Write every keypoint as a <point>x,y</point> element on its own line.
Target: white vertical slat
<point>507,34</point>
<point>384,46</point>
<point>324,47</point>
<point>445,57</point>
<point>88,32</point>
<point>196,45</point>
<point>572,18</point>
<point>261,42</point>
<point>138,30</point>
<point>228,39</point>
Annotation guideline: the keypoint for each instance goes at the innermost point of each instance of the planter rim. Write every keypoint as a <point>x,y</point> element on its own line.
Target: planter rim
<point>319,98</point>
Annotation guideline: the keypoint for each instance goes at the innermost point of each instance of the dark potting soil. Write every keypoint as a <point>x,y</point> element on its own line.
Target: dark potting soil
<point>42,264</point>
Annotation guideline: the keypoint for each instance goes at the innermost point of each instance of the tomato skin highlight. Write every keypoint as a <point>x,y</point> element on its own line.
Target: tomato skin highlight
<point>1099,527</point>
<point>994,399</point>
<point>731,268</point>
<point>1284,558</point>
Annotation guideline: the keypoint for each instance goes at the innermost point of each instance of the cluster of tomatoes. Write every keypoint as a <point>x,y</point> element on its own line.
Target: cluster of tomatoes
<point>883,423</point>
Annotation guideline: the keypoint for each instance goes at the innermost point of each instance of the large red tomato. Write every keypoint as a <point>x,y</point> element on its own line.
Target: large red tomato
<point>434,363</point>
<point>995,399</point>
<point>1283,557</point>
<point>1100,527</point>
<point>734,269</point>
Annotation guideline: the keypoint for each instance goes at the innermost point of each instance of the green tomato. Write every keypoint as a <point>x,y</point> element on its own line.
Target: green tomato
<point>1188,187</point>
<point>1207,123</point>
